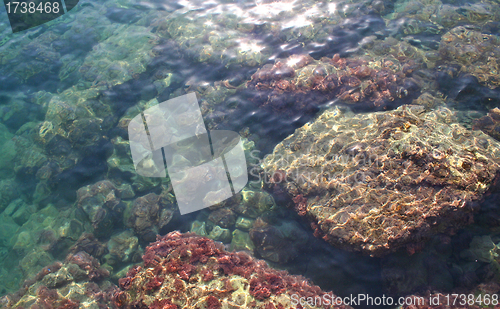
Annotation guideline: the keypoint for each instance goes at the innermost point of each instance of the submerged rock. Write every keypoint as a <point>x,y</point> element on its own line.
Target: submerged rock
<point>489,124</point>
<point>220,234</point>
<point>300,84</point>
<point>101,202</point>
<point>241,241</point>
<point>89,244</point>
<point>79,282</point>
<point>8,192</point>
<point>244,223</point>
<point>481,249</point>
<point>119,58</point>
<point>216,233</point>
<point>279,244</point>
<point>149,214</point>
<point>378,182</point>
<point>254,203</point>
<point>476,53</point>
<point>435,16</point>
<point>122,247</point>
<point>7,151</point>
<point>190,271</point>
<point>223,217</point>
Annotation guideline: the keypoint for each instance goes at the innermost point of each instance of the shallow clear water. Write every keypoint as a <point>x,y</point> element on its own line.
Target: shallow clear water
<point>68,89</point>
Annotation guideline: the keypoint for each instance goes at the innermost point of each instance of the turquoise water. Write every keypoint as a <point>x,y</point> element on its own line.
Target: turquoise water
<point>68,89</point>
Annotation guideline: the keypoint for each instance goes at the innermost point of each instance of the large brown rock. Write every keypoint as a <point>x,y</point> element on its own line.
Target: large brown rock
<point>378,182</point>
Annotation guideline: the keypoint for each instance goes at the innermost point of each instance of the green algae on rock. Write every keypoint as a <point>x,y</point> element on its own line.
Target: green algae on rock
<point>190,271</point>
<point>378,182</point>
<point>241,241</point>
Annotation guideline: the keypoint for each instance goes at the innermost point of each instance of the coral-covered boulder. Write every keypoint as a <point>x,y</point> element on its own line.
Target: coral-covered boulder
<point>191,271</point>
<point>378,182</point>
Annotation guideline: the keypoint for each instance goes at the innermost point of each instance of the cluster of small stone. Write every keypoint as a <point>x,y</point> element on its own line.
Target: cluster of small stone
<point>79,282</point>
<point>242,224</point>
<point>33,238</point>
<point>300,83</point>
<point>75,120</point>
<point>146,215</point>
<point>231,33</point>
<point>190,271</point>
<point>385,180</point>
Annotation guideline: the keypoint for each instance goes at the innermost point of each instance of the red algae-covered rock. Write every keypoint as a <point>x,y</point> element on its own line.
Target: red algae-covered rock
<point>79,282</point>
<point>300,83</point>
<point>381,181</point>
<point>191,271</point>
